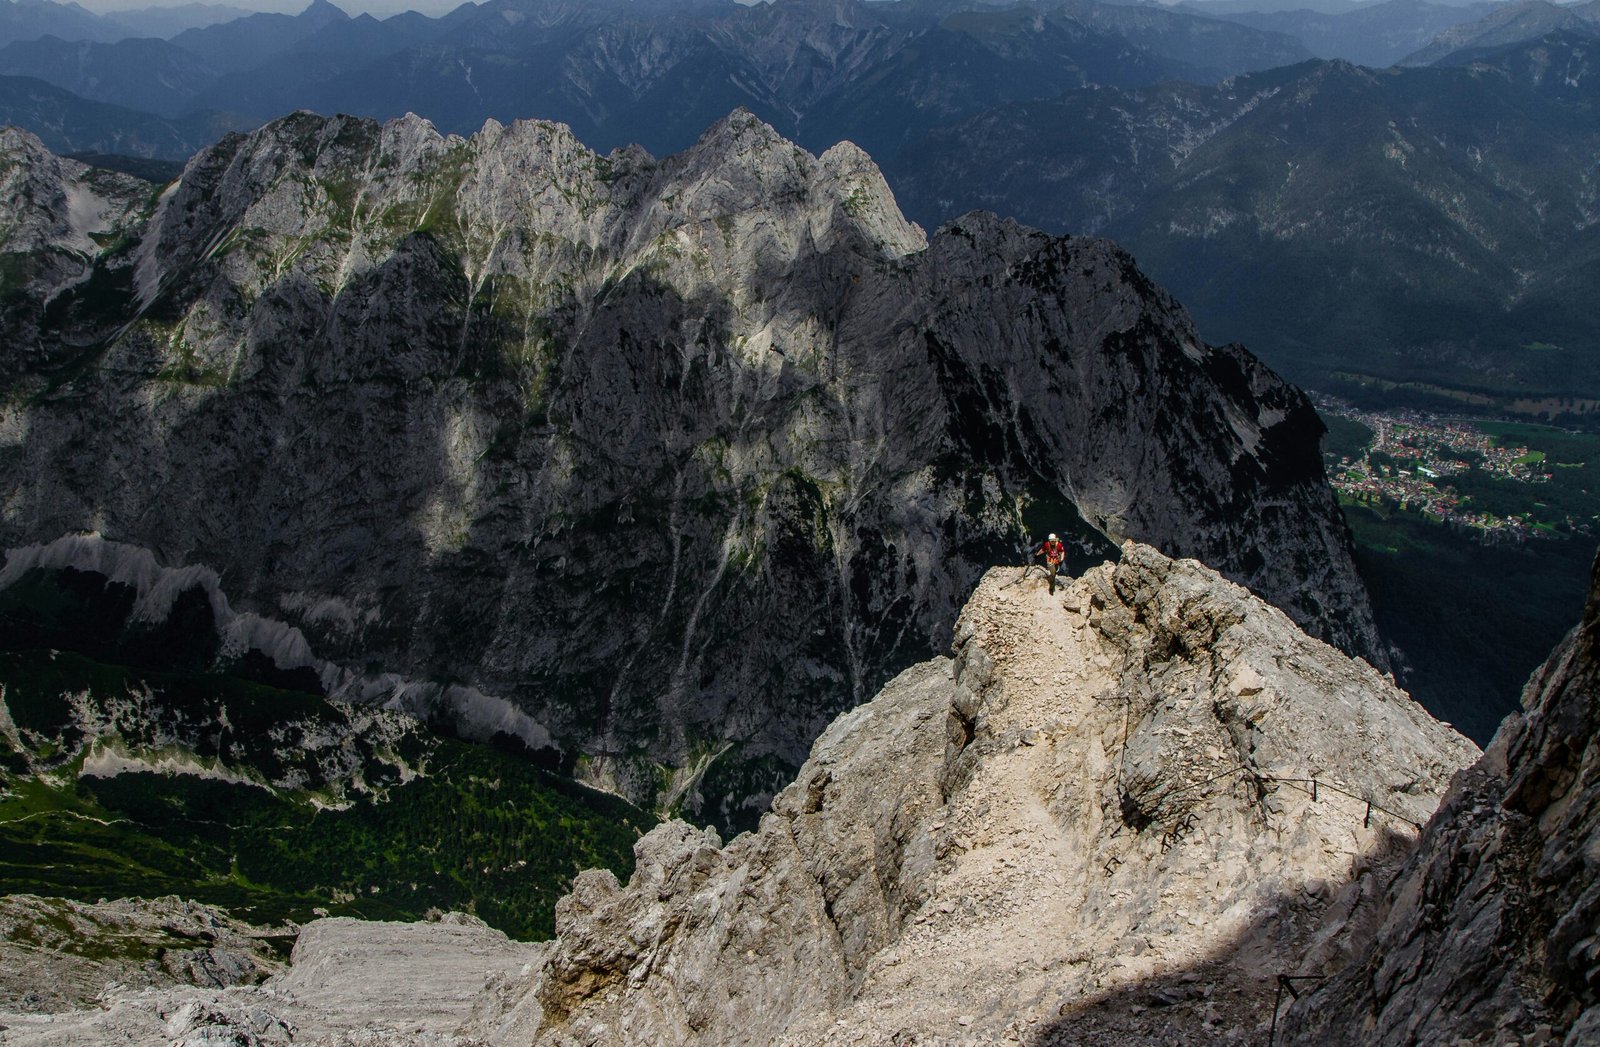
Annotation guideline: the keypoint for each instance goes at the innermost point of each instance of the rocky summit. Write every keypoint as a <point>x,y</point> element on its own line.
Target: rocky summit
<point>1114,816</point>
<point>1111,818</point>
<point>679,457</point>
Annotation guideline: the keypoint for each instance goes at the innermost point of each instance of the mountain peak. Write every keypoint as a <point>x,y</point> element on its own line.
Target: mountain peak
<point>324,10</point>
<point>742,353</point>
<point>740,127</point>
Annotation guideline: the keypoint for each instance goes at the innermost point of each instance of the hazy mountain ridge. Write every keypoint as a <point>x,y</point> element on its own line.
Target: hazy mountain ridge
<point>32,19</point>
<point>1508,24</point>
<point>166,21</point>
<point>69,123</point>
<point>1435,221</point>
<point>149,75</point>
<point>22,20</point>
<point>656,74</point>
<point>671,454</point>
<point>1372,34</point>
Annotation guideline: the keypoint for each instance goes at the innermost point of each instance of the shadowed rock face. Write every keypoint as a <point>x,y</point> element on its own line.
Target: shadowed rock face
<point>1490,928</point>
<point>682,457</point>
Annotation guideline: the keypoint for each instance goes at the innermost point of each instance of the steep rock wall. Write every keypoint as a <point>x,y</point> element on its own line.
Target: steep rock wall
<point>681,457</point>
<point>1489,932</point>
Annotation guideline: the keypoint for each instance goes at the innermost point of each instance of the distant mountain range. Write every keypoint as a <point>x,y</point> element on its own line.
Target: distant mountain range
<point>1429,225</point>
<point>1377,35</point>
<point>32,19</point>
<point>1412,228</point>
<point>656,73</point>
<point>73,124</point>
<point>1509,24</point>
<point>145,74</point>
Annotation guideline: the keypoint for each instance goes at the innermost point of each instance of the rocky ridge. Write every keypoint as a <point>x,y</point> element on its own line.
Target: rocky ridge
<point>680,457</point>
<point>1507,24</point>
<point>1086,827</point>
<point>48,241</point>
<point>1103,804</point>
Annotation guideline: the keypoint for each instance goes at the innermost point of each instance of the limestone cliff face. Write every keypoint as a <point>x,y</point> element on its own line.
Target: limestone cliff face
<point>679,457</point>
<point>1095,824</point>
<point>1489,932</point>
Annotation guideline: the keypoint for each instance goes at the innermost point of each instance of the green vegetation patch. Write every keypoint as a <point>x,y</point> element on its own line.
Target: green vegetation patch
<point>1346,437</point>
<point>479,830</point>
<point>1559,445</point>
<point>1472,620</point>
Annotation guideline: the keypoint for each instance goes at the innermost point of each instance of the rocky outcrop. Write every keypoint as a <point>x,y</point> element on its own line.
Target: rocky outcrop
<point>1488,933</point>
<point>680,458</point>
<point>1113,817</point>
<point>56,955</point>
<point>351,984</point>
<point>59,213</point>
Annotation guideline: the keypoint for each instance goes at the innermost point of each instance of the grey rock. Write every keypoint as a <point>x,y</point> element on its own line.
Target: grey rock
<point>351,984</point>
<point>838,920</point>
<point>678,458</point>
<point>919,875</point>
<point>48,238</point>
<point>57,955</point>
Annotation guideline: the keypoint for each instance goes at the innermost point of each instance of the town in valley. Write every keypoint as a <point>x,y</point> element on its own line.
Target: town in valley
<point>1417,462</point>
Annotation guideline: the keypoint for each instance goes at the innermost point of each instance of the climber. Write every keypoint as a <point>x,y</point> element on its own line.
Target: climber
<point>1054,553</point>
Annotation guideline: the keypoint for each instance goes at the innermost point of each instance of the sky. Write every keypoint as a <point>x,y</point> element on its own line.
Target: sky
<point>377,8</point>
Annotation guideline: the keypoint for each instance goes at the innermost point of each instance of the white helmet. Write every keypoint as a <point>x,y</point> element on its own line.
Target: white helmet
<point>1053,538</point>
